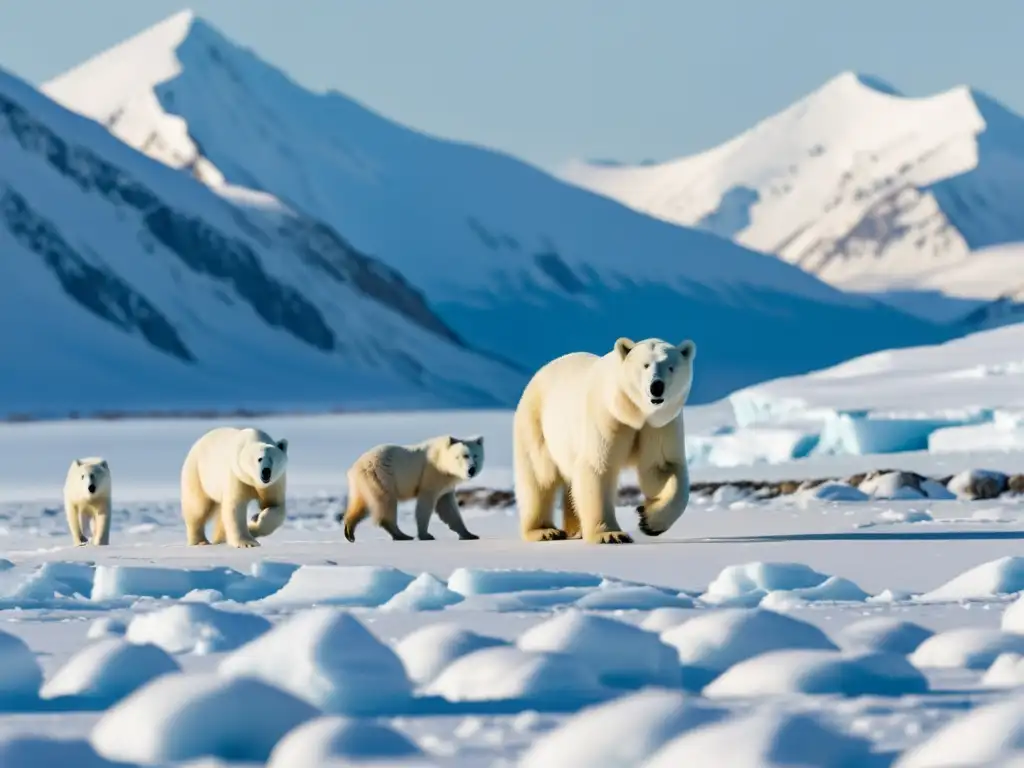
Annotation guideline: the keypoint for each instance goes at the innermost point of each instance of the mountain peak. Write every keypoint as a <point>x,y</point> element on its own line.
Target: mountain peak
<point>135,65</point>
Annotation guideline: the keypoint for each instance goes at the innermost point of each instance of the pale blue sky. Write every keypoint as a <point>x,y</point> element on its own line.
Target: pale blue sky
<point>552,79</point>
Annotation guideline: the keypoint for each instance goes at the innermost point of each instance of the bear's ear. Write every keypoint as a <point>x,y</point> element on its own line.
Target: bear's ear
<point>104,464</point>
<point>623,347</point>
<point>452,441</point>
<point>476,439</point>
<point>688,350</point>
<point>78,462</point>
<point>283,445</point>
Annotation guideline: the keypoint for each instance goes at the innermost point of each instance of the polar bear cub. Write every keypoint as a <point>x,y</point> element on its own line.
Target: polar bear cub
<point>225,470</point>
<point>427,472</point>
<point>87,500</point>
<point>582,419</point>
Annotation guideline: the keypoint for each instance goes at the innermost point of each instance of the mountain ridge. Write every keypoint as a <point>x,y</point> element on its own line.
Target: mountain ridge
<point>515,261</point>
<point>869,189</point>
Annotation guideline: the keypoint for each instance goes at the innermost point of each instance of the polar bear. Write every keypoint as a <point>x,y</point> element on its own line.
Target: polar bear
<point>582,419</point>
<point>87,500</point>
<point>226,469</point>
<point>427,472</point>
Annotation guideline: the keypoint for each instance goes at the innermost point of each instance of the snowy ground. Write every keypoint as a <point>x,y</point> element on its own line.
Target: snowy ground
<point>709,679</point>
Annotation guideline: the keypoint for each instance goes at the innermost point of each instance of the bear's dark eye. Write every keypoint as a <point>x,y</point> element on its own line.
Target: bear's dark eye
<point>647,365</point>
<point>670,369</point>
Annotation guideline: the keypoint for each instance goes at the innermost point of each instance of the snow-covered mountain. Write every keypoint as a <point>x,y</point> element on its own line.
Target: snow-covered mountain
<point>515,261</point>
<point>132,287</point>
<point>868,189</point>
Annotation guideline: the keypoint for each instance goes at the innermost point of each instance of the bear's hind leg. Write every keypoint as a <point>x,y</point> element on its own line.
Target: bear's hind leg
<point>536,481</point>
<point>196,506</point>
<point>217,535</point>
<point>356,511</point>
<point>571,518</point>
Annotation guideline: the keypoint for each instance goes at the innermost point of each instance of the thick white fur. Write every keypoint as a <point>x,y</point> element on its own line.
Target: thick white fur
<point>427,472</point>
<point>584,418</point>
<point>83,506</point>
<point>222,473</point>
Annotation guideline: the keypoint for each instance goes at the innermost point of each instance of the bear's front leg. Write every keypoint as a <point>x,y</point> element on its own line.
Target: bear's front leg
<point>75,524</point>
<point>101,527</point>
<point>666,490</point>
<point>424,508</point>
<point>594,500</point>
<point>448,511</point>
<point>236,528</point>
<point>267,520</point>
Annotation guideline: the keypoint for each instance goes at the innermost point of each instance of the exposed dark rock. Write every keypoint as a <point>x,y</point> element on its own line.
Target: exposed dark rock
<point>98,290</point>
<point>195,243</point>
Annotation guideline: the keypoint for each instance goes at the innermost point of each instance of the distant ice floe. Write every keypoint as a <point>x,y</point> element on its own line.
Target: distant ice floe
<point>955,397</point>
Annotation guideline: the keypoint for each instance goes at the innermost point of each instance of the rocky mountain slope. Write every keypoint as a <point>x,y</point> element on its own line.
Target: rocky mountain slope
<point>514,261</point>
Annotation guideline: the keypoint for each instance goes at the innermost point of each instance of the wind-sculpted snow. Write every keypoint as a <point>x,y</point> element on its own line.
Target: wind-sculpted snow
<point>768,627</point>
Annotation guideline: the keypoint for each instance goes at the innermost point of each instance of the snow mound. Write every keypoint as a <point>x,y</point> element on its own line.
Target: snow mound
<point>818,672</point>
<point>107,626</point>
<point>20,673</point>
<point>424,593</point>
<point>890,485</point>
<point>328,658</point>
<point>620,654</point>
<point>766,738</point>
<point>905,516</point>
<point>273,572</point>
<point>196,627</point>
<point>966,648</point>
<point>341,585</point>
<point>1013,617</point>
<point>996,577</point>
<point>981,737</point>
<point>428,650</point>
<point>491,581</point>
<point>618,734</point>
<point>661,619</point>
<point>106,671</point>
<point>507,673</point>
<point>1007,671</point>
<point>834,491</point>
<point>329,741</point>
<point>711,643</point>
<point>749,584</point>
<point>883,634</point>
<point>181,717</point>
<point>114,581</point>
<point>622,597</point>
<point>26,751</point>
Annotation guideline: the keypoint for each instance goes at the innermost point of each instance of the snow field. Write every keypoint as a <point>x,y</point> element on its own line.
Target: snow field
<point>676,675</point>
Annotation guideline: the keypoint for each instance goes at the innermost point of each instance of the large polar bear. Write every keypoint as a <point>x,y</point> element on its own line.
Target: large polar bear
<point>582,419</point>
<point>87,500</point>
<point>427,472</point>
<point>226,469</point>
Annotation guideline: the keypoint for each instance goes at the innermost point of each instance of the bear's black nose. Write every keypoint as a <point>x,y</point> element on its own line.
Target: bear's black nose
<point>657,388</point>
<point>92,488</point>
<point>472,471</point>
<point>265,474</point>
